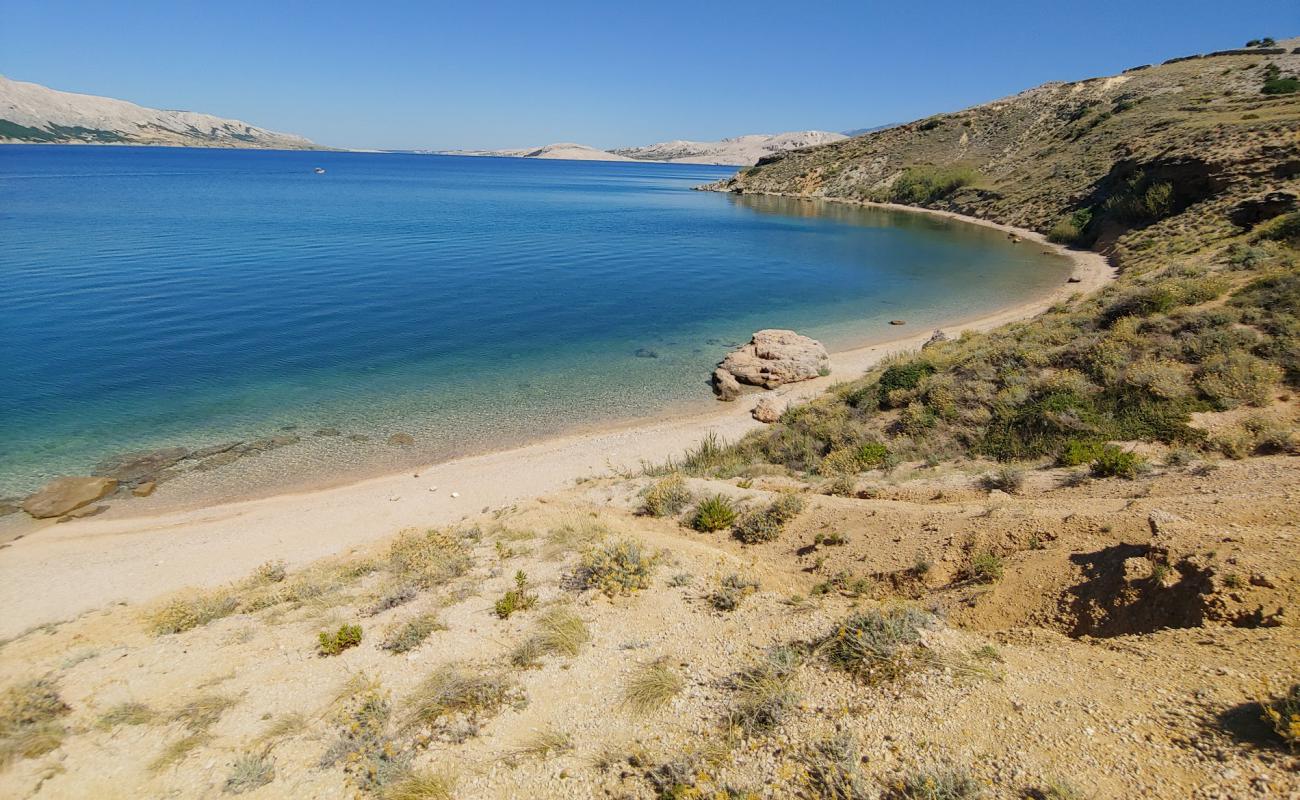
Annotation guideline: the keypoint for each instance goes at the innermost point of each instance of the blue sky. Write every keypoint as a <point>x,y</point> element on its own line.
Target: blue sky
<point>497,74</point>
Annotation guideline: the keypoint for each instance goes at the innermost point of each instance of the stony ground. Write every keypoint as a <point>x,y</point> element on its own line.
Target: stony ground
<point>1119,652</point>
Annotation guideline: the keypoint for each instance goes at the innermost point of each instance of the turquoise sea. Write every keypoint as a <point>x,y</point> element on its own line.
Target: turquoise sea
<point>157,296</point>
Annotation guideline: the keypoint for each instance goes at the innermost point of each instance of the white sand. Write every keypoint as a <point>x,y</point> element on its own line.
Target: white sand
<point>61,570</point>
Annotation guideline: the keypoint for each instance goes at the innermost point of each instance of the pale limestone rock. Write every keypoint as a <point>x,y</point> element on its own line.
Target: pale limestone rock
<point>62,495</point>
<point>777,357</point>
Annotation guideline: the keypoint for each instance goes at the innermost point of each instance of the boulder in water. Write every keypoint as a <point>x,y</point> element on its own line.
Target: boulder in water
<point>777,357</point>
<point>725,385</point>
<point>135,468</point>
<point>63,495</point>
<point>401,440</point>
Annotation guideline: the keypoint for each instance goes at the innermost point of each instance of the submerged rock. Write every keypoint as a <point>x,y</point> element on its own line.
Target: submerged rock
<point>401,440</point>
<point>134,468</point>
<point>145,489</point>
<point>212,450</point>
<point>898,322</point>
<point>645,352</point>
<point>776,357</point>
<point>62,495</point>
<point>328,432</point>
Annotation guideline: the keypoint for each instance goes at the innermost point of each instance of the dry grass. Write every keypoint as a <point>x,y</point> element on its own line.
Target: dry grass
<point>203,712</point>
<point>127,714</point>
<point>545,744</point>
<point>411,634</point>
<point>250,771</point>
<point>30,723</point>
<point>421,786</point>
<point>651,686</point>
<point>458,689</point>
<point>177,751</point>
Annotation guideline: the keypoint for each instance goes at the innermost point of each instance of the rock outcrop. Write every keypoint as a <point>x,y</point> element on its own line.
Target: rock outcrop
<point>774,358</point>
<point>725,385</point>
<point>63,495</point>
<point>768,410</point>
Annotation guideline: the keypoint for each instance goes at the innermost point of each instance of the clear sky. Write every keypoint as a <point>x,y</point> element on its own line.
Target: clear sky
<point>501,74</point>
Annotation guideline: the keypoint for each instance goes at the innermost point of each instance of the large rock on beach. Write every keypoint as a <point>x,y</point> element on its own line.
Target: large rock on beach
<point>768,409</point>
<point>725,385</point>
<point>777,357</point>
<point>63,495</point>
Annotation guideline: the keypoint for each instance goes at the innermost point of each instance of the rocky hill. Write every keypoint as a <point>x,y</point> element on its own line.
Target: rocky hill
<point>36,114</point>
<point>1208,126</point>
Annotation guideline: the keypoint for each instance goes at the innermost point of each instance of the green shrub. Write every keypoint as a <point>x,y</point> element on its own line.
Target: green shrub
<point>985,568</point>
<point>1238,378</point>
<point>1079,451</point>
<point>516,599</point>
<point>907,375</point>
<point>1283,713</point>
<point>766,524</point>
<point>1284,228</point>
<point>331,644</point>
<point>920,185</point>
<point>1281,86</point>
<point>1114,462</point>
<point>713,514</point>
<point>1073,230</point>
<point>876,645</point>
<point>616,568</point>
<point>666,497</point>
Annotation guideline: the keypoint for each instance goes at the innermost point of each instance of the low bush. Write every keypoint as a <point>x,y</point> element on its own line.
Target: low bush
<point>713,514</point>
<point>920,185</point>
<point>30,720</point>
<point>1238,378</point>
<point>1077,452</point>
<point>666,496</point>
<point>250,771</point>
<point>1283,713</point>
<point>1006,479</point>
<point>412,633</point>
<point>1074,229</point>
<point>732,591</point>
<point>559,632</point>
<point>985,568</point>
<point>1284,228</point>
<point>876,645</point>
<point>616,568</point>
<point>832,770</point>
<point>427,558</point>
<point>368,753</point>
<point>346,637</point>
<point>458,689</point>
<point>939,783</point>
<point>1114,462</point>
<point>766,524</point>
<point>764,692</point>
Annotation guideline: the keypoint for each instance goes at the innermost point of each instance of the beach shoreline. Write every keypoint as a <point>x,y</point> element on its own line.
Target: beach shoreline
<point>58,571</point>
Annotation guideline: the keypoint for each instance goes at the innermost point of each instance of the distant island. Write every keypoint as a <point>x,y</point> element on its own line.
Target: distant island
<point>34,114</point>
<point>740,151</point>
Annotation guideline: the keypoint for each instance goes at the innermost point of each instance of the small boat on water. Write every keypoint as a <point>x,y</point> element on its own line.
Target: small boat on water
<point>320,170</point>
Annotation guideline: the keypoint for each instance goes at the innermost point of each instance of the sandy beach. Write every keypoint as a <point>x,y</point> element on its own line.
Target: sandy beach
<point>58,571</point>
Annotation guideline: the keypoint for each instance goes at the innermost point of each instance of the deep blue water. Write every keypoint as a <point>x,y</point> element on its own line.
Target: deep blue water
<point>160,296</point>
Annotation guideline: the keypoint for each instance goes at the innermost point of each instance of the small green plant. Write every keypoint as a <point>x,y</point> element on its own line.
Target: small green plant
<point>766,524</point>
<point>713,514</point>
<point>651,686</point>
<point>920,185</point>
<point>30,723</point>
<point>331,644</point>
<point>666,496</point>
<point>516,599</point>
<point>411,634</point>
<point>1077,452</point>
<point>616,568</point>
<point>877,645</point>
<point>1114,462</point>
<point>250,771</point>
<point>986,568</point>
<point>681,579</point>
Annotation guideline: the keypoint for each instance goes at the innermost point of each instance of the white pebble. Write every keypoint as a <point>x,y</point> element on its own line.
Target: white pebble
<point>455,494</point>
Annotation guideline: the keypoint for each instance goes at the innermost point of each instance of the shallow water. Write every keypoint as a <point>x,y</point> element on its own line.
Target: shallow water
<point>177,296</point>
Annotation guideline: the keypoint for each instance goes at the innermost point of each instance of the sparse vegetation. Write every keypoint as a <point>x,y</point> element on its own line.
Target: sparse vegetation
<point>651,686</point>
<point>832,770</point>
<point>666,496</point>
<point>938,783</point>
<point>620,567</point>
<point>369,755</point>
<point>1114,462</point>
<point>129,713</point>
<point>545,743</point>
<point>764,692</point>
<point>986,568</point>
<point>732,591</point>
<point>559,632</point>
<point>1006,479</point>
<point>420,786</point>
<point>1283,714</point>
<point>333,643</point>
<point>713,513</point>
<point>877,645</point>
<point>921,185</point>
<point>766,524</point>
<point>460,690</point>
<point>31,720</point>
<point>250,771</point>
<point>517,599</point>
<point>411,634</point>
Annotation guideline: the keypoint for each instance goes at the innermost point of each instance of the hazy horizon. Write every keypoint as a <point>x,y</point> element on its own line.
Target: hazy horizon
<point>515,75</point>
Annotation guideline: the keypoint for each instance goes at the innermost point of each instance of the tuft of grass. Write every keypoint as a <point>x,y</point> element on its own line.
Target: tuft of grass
<point>126,714</point>
<point>412,633</point>
<point>615,568</point>
<point>331,644</point>
<point>764,693</point>
<point>937,783</point>
<point>666,496</point>
<point>177,751</point>
<point>713,514</point>
<point>832,770</point>
<point>516,599</point>
<point>1283,713</point>
<point>458,689</point>
<point>1006,479</point>
<point>30,723</point>
<point>191,610</point>
<point>734,589</point>
<point>250,771</point>
<point>651,686</point>
<point>203,711</point>
<point>559,632</point>
<point>766,524</point>
<point>286,726</point>
<point>427,559</point>
<point>1057,790</point>
<point>877,645</point>
<point>545,743</point>
<point>420,786</point>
